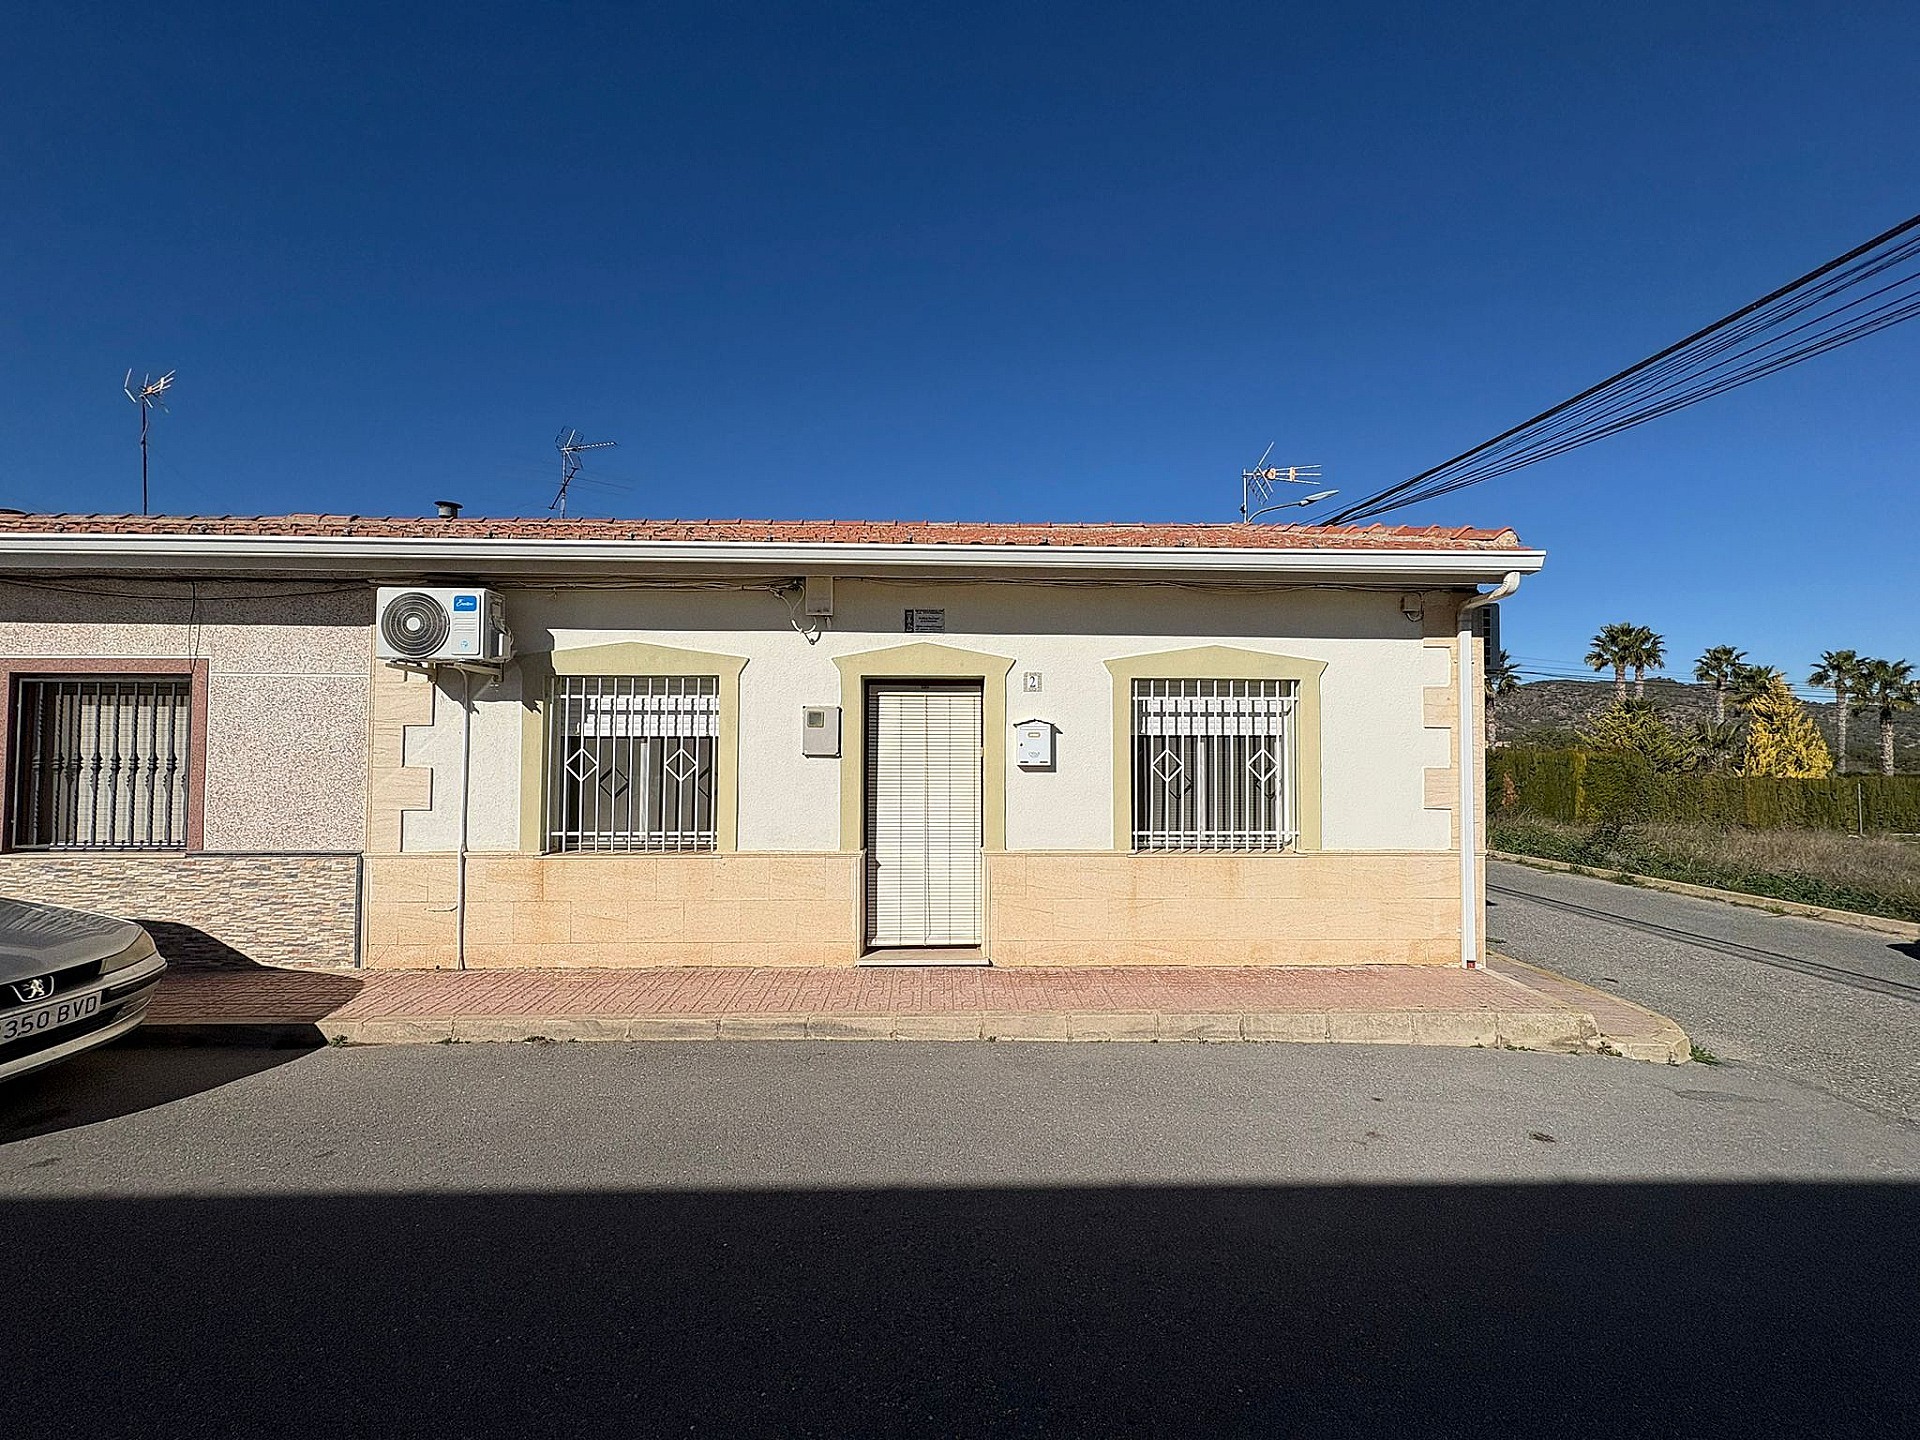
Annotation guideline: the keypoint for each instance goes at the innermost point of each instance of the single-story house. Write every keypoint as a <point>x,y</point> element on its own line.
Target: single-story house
<point>746,742</point>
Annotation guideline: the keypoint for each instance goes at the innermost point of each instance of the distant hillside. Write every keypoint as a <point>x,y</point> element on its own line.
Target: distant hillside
<point>1549,711</point>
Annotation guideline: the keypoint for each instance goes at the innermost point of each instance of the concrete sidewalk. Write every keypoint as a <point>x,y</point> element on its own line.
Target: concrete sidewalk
<point>1375,1004</point>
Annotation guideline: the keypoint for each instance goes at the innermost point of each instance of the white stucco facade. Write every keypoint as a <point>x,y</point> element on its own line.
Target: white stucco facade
<point>1375,745</point>
<point>318,767</point>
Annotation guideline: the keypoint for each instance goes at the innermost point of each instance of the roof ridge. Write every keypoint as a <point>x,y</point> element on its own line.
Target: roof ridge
<point>1145,534</point>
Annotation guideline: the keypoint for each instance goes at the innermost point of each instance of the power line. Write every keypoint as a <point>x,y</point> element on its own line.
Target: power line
<point>1752,342</point>
<point>1540,670</point>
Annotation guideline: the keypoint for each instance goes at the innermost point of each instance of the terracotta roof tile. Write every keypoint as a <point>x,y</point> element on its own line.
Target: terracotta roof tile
<point>801,532</point>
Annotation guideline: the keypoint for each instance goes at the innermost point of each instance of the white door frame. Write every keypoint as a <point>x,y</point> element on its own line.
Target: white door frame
<point>950,904</point>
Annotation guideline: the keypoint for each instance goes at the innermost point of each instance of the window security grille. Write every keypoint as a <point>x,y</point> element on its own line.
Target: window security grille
<point>101,763</point>
<point>1213,765</point>
<point>630,762</point>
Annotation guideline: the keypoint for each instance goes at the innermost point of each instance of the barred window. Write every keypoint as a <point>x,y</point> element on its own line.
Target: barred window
<point>630,762</point>
<point>101,762</point>
<point>1213,765</point>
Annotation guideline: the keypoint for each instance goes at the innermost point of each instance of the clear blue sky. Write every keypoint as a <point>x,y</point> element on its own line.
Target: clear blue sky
<point>1006,262</point>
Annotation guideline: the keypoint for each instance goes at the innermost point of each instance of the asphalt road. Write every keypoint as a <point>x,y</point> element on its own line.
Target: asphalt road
<point>1826,1005</point>
<point>844,1239</point>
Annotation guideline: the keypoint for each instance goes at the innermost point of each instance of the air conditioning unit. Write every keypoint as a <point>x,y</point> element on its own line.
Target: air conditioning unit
<point>421,625</point>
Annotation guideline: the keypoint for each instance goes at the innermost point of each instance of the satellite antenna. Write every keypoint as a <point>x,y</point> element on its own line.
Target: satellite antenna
<point>571,447</point>
<point>151,393</point>
<point>1256,486</point>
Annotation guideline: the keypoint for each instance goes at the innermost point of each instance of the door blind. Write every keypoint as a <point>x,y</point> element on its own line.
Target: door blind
<point>925,877</point>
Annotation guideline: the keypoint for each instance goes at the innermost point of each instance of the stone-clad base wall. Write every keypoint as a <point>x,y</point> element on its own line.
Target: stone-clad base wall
<point>208,909</point>
<point>1325,908</point>
<point>557,911</point>
<point>804,909</point>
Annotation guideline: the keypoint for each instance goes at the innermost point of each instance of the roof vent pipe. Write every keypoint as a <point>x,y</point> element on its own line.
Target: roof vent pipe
<point>447,509</point>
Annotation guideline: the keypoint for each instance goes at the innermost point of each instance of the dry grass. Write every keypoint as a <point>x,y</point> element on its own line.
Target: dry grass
<point>1875,874</point>
<point>1869,862</point>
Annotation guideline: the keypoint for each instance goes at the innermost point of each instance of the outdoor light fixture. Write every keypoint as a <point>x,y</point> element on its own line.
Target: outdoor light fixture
<point>1313,499</point>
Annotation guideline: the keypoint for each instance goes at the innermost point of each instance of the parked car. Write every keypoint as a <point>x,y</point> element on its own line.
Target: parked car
<point>68,981</point>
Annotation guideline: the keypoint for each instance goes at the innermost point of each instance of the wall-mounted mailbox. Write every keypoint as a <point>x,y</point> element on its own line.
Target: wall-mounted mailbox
<point>820,730</point>
<point>1033,744</point>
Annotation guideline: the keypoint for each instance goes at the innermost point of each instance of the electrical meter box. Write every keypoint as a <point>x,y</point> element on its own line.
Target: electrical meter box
<point>1033,744</point>
<point>820,730</point>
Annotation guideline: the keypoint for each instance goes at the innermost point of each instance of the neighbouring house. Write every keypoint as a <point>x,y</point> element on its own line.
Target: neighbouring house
<point>767,743</point>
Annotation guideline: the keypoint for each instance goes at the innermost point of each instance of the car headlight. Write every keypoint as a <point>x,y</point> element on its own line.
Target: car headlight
<point>140,949</point>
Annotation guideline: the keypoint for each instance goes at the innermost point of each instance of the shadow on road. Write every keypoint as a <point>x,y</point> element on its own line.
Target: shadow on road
<point>102,1085</point>
<point>1909,948</point>
<point>1455,1310</point>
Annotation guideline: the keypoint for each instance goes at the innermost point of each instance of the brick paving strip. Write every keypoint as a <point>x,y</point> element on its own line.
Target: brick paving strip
<point>1393,1004</point>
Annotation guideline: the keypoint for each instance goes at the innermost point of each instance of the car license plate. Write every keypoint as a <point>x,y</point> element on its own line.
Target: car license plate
<point>50,1016</point>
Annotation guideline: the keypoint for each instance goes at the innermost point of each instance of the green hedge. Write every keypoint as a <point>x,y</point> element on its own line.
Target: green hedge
<point>1585,787</point>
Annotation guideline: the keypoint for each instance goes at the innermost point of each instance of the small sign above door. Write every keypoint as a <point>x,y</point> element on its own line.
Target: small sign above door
<point>926,622</point>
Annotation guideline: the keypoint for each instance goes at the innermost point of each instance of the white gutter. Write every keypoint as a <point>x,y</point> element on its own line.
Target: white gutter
<point>1470,783</point>
<point>505,556</point>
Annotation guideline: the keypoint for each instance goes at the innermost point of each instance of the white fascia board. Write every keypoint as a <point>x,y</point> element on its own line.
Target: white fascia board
<point>517,558</point>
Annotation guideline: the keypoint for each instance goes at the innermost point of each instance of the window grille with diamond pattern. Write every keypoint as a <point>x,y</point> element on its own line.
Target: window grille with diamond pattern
<point>1213,765</point>
<point>630,762</point>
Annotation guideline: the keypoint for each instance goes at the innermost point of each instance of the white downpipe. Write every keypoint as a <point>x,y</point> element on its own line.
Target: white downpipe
<point>1469,801</point>
<point>466,790</point>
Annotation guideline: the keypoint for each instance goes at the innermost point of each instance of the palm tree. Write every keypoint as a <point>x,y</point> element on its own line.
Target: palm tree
<point>1648,651</point>
<point>1838,671</point>
<point>1885,686</point>
<point>1717,667</point>
<point>1750,682</point>
<point>1712,745</point>
<point>1614,646</point>
<point>1502,681</point>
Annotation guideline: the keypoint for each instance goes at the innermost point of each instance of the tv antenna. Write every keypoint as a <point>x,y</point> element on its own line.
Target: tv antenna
<point>151,393</point>
<point>1256,485</point>
<point>571,447</point>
